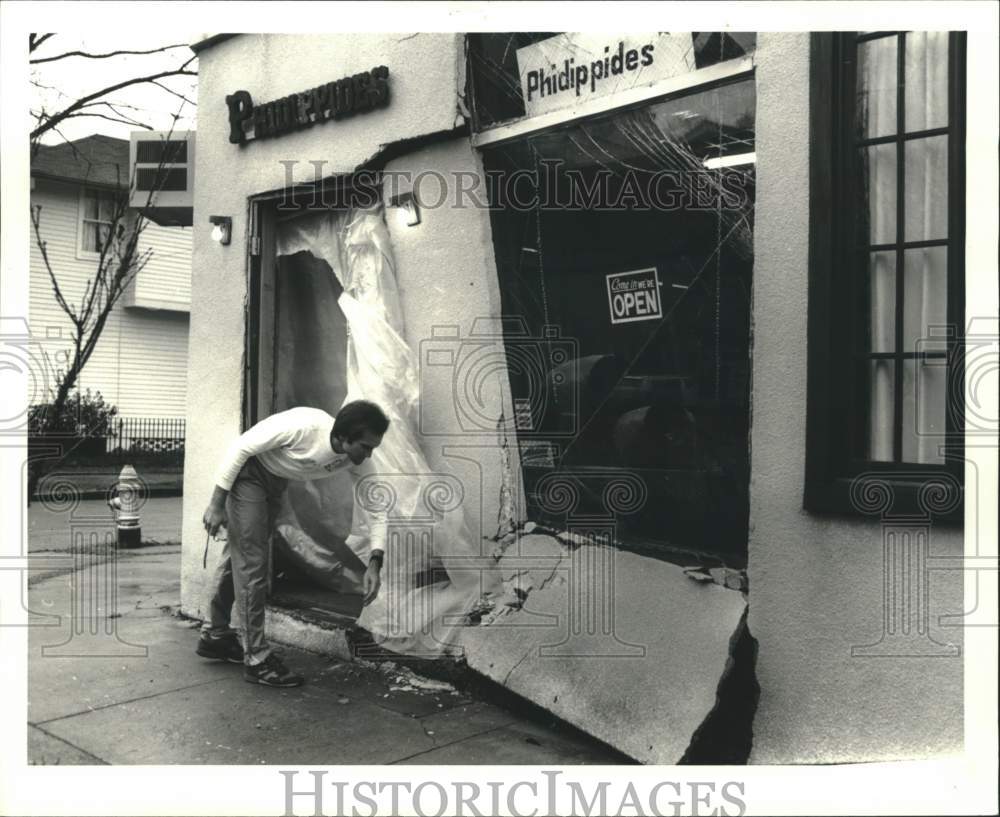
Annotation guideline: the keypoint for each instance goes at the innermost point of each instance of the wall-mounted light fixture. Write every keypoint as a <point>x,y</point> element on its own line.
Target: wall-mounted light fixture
<point>734,160</point>
<point>407,210</point>
<point>223,229</point>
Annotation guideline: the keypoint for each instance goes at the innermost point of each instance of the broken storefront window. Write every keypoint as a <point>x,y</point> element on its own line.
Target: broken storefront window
<point>624,250</point>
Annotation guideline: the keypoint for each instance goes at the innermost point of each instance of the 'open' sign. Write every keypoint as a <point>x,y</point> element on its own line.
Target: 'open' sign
<point>634,296</point>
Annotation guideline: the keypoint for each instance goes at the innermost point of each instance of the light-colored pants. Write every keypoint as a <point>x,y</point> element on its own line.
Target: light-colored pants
<point>243,574</point>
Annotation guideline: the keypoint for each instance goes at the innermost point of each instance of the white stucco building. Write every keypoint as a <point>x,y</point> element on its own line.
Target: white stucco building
<point>768,392</point>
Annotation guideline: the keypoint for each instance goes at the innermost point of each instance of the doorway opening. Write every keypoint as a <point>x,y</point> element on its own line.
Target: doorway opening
<point>297,356</point>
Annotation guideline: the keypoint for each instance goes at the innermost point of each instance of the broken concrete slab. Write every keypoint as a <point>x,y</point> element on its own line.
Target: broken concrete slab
<point>307,633</point>
<point>640,673</point>
<point>535,554</point>
<point>726,576</point>
<point>726,735</point>
<point>100,703</point>
<point>535,650</point>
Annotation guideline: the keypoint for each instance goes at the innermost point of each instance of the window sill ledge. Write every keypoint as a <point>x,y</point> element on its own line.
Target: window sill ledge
<point>932,496</point>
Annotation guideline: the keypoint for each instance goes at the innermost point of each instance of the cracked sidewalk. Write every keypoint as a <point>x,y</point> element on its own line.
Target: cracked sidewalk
<point>143,697</point>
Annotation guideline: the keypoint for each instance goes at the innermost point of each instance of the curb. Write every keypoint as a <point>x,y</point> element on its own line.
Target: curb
<point>103,494</point>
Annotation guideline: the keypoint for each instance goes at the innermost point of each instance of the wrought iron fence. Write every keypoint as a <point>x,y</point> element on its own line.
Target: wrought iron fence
<point>146,435</point>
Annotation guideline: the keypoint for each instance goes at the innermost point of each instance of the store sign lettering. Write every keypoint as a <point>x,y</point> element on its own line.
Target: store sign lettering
<point>568,69</point>
<point>334,100</point>
<point>634,296</point>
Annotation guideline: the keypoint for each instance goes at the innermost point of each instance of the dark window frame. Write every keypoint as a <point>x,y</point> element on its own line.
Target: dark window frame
<point>85,223</point>
<point>835,408</point>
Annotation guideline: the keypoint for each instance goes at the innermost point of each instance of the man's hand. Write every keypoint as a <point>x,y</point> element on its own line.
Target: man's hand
<point>215,514</point>
<point>214,518</point>
<point>372,582</point>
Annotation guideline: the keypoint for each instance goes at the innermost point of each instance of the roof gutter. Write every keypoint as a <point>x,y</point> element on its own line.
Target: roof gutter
<point>40,174</point>
<point>211,40</point>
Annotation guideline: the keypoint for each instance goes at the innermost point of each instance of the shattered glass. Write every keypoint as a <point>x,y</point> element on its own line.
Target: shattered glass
<point>665,192</point>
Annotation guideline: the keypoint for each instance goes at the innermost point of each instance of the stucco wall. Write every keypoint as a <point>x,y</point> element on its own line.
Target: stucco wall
<point>447,278</point>
<point>449,249</point>
<point>816,583</point>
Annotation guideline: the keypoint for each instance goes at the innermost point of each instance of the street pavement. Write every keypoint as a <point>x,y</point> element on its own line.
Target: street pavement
<point>51,523</point>
<point>120,683</point>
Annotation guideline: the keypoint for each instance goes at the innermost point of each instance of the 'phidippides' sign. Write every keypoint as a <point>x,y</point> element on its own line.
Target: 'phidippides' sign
<point>332,100</point>
<point>571,68</point>
<point>634,296</point>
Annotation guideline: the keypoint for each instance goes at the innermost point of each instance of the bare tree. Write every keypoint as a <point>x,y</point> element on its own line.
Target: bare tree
<point>119,260</point>
<point>120,257</point>
<point>97,103</point>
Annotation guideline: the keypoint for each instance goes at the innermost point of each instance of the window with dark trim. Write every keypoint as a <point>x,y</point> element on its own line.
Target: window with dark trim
<point>97,217</point>
<point>886,278</point>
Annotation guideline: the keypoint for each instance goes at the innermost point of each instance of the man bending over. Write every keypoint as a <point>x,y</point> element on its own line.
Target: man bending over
<point>301,443</point>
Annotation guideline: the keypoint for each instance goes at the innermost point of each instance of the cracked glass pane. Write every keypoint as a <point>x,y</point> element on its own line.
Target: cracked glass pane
<point>624,248</point>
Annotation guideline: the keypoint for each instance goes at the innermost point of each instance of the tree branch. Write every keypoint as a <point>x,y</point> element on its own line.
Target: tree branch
<point>44,87</point>
<point>175,93</point>
<point>35,40</point>
<point>111,119</point>
<point>113,107</point>
<point>119,260</point>
<point>59,117</point>
<point>102,56</point>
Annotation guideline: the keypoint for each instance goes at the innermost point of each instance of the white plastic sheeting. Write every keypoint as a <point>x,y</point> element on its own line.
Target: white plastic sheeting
<point>434,571</point>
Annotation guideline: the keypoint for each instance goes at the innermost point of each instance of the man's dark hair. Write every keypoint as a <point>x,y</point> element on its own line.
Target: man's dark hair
<point>357,417</point>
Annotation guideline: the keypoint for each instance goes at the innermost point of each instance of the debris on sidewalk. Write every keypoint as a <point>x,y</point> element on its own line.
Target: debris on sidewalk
<point>93,714</point>
<point>725,576</point>
<point>405,680</point>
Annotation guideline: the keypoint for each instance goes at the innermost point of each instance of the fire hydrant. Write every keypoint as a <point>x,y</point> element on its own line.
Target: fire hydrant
<point>126,507</point>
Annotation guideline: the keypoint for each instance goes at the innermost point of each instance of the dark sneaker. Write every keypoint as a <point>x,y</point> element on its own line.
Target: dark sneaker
<point>220,648</point>
<point>271,672</point>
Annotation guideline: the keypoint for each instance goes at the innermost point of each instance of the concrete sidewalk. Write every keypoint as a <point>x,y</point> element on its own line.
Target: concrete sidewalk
<point>120,684</point>
<point>51,524</point>
<point>96,480</point>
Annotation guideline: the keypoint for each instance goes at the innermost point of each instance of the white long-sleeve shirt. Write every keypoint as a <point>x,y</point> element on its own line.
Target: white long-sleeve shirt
<point>295,444</point>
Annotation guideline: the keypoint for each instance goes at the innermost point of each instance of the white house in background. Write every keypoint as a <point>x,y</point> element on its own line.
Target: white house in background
<point>140,363</point>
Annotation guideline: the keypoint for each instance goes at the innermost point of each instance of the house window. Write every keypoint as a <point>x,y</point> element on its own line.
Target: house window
<point>886,264</point>
<point>97,209</point>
